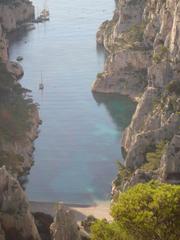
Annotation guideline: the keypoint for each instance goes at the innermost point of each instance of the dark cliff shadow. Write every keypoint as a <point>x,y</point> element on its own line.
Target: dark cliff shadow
<point>120,108</point>
<point>18,35</point>
<point>101,51</point>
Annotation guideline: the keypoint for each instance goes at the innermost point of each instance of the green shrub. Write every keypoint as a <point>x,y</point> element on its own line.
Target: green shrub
<point>161,54</point>
<point>12,161</point>
<point>148,211</point>
<point>15,117</point>
<point>124,174</point>
<point>99,75</point>
<point>174,87</point>
<point>135,33</point>
<point>153,158</point>
<point>102,230</point>
<point>14,108</point>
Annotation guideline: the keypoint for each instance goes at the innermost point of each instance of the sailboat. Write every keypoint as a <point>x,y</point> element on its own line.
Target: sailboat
<point>45,12</point>
<point>41,85</point>
<point>44,15</point>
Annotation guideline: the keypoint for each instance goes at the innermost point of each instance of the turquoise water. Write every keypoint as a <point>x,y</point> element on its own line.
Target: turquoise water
<point>79,141</point>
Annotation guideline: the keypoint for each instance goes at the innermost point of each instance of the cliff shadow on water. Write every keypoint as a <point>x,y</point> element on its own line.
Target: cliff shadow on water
<point>120,108</point>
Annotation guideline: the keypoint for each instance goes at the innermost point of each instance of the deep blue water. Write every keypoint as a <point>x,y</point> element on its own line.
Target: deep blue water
<point>79,141</point>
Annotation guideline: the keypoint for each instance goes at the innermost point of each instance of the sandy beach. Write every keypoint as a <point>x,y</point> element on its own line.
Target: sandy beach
<point>100,210</point>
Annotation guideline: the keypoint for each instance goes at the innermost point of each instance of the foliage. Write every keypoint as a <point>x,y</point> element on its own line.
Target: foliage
<point>87,223</point>
<point>12,161</point>
<point>148,211</point>
<point>124,174</point>
<point>135,33</point>
<point>14,108</point>
<point>130,38</point>
<point>153,158</point>
<point>99,75</point>
<point>174,87</point>
<point>161,54</point>
<point>15,118</point>
<point>102,230</point>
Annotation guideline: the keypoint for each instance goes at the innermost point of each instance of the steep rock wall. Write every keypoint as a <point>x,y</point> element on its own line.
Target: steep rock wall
<point>13,14</point>
<point>143,41</point>
<point>16,220</point>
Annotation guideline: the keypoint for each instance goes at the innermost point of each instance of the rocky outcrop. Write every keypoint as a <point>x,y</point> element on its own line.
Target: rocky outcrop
<point>64,226</point>
<point>126,67</point>
<point>23,148</point>
<point>144,54</point>
<point>14,13</point>
<point>15,217</point>
<point>125,73</point>
<point>170,164</point>
<point>15,69</point>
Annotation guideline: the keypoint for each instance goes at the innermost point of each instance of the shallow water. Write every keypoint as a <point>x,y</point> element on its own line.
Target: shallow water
<point>79,141</point>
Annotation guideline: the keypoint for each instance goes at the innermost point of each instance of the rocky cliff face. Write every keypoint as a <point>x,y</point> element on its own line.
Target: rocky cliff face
<point>16,221</point>
<point>144,63</point>
<point>64,226</point>
<point>13,14</point>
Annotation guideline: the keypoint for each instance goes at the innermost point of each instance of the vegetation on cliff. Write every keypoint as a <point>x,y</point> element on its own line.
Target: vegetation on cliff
<point>144,212</point>
<point>15,120</point>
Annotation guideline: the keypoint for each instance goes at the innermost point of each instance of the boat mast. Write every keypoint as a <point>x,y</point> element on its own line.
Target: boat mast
<point>41,78</point>
<point>45,5</point>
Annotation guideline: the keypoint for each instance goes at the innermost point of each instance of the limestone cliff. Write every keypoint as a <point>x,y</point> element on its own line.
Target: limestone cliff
<point>16,221</point>
<point>65,226</point>
<point>143,42</point>
<point>13,13</point>
<point>15,151</point>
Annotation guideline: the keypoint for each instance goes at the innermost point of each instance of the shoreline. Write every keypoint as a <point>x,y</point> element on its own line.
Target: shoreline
<point>99,210</point>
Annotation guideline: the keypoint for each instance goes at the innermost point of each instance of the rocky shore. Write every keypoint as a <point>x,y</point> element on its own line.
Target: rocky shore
<point>142,40</point>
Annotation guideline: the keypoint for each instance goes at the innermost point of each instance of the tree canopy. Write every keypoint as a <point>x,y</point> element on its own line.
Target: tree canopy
<point>148,211</point>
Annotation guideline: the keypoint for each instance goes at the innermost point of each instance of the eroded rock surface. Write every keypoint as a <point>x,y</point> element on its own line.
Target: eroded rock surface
<point>65,226</point>
<point>15,217</point>
<point>14,14</point>
<point>143,42</point>
<point>170,165</point>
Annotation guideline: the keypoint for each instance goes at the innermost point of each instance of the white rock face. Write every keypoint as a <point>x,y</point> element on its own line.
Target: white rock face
<point>15,216</point>
<point>143,41</point>
<point>125,73</point>
<point>170,163</point>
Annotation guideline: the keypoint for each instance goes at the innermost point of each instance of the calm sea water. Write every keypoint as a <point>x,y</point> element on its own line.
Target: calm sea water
<point>79,141</point>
